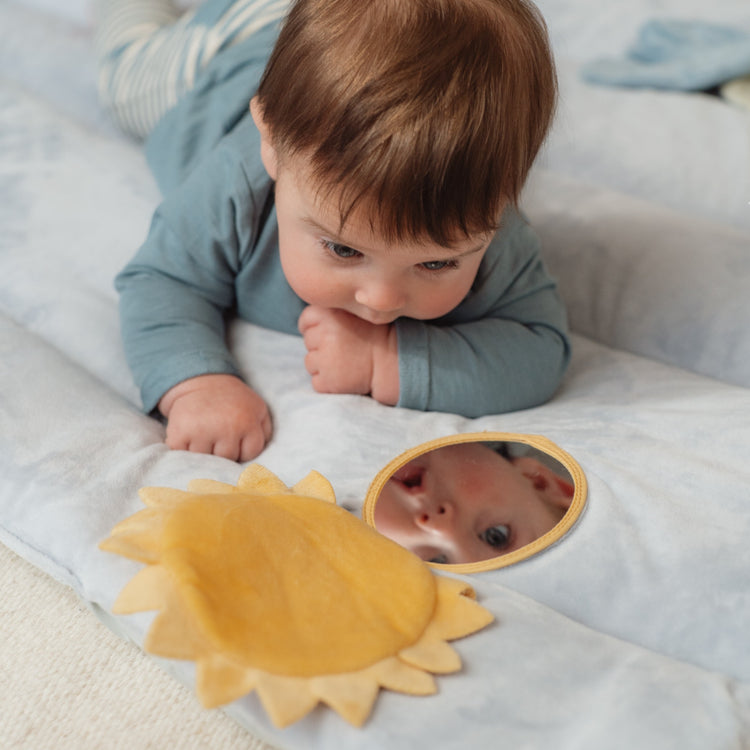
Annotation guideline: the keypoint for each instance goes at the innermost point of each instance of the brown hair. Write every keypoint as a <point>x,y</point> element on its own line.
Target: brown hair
<point>429,113</point>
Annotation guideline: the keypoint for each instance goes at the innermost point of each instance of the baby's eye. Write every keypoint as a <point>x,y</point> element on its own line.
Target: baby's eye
<point>497,537</point>
<point>439,559</point>
<point>341,251</point>
<point>439,265</point>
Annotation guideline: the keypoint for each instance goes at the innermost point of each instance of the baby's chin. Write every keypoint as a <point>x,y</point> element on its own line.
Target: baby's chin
<point>383,319</point>
<point>378,320</point>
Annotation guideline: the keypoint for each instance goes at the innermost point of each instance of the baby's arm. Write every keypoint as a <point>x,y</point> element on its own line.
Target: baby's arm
<point>504,348</point>
<point>484,367</point>
<point>174,296</point>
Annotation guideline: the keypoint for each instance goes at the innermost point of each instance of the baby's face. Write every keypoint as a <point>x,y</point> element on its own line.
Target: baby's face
<point>355,269</point>
<point>465,503</point>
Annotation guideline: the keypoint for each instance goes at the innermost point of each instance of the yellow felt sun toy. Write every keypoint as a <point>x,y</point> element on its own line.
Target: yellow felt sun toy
<point>281,591</point>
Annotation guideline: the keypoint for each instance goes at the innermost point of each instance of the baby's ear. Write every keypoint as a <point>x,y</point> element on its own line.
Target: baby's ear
<point>555,489</point>
<point>268,154</point>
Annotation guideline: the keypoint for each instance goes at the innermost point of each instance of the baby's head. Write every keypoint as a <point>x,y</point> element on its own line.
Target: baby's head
<point>406,124</point>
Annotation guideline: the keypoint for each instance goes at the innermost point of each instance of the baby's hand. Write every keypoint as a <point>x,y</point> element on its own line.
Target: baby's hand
<point>216,414</point>
<point>346,354</point>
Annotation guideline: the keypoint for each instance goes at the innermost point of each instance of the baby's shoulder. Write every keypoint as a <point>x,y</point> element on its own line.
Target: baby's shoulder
<point>514,238</point>
<point>239,150</point>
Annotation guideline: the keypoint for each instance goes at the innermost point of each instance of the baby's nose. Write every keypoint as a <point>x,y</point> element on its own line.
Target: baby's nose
<point>380,296</point>
<point>437,517</point>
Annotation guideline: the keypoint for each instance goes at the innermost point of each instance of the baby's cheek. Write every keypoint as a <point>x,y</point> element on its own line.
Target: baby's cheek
<point>303,286</point>
<point>472,486</point>
<point>435,305</point>
<point>446,299</point>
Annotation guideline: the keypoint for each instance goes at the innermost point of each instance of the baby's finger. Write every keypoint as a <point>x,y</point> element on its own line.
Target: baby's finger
<point>252,444</point>
<point>312,364</point>
<point>175,443</point>
<point>227,448</point>
<point>266,426</point>
<point>322,384</point>
<point>308,318</point>
<point>177,439</point>
<point>200,444</point>
<point>311,337</point>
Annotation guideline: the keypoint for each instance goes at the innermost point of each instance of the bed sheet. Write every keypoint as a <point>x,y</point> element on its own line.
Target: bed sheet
<point>632,631</point>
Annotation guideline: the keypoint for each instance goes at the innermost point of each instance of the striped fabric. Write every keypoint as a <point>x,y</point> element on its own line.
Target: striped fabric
<point>150,52</point>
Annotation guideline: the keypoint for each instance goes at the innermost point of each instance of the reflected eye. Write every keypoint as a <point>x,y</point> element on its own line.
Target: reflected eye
<point>439,265</point>
<point>439,559</point>
<point>341,251</point>
<point>497,537</point>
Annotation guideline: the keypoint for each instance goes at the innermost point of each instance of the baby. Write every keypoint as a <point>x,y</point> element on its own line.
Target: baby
<point>365,199</point>
<point>471,501</point>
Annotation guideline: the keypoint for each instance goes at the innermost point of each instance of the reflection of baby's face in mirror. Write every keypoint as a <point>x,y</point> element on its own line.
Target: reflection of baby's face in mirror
<point>466,502</point>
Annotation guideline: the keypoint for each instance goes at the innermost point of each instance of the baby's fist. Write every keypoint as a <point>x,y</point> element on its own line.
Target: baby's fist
<point>216,414</point>
<point>346,354</point>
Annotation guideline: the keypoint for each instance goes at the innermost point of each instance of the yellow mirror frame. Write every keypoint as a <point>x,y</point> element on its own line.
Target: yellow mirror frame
<point>535,441</point>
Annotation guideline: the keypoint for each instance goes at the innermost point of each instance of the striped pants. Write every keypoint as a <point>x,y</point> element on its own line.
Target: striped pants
<point>150,52</point>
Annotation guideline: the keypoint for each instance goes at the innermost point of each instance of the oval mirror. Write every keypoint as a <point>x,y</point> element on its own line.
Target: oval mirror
<point>477,501</point>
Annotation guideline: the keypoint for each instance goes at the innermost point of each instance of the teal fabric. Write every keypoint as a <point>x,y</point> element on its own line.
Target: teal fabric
<point>676,54</point>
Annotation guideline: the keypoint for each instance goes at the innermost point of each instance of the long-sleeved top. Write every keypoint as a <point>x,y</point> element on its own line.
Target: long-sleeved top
<point>212,251</point>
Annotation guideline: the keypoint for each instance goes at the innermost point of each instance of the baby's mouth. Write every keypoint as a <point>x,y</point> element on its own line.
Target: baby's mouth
<point>410,477</point>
